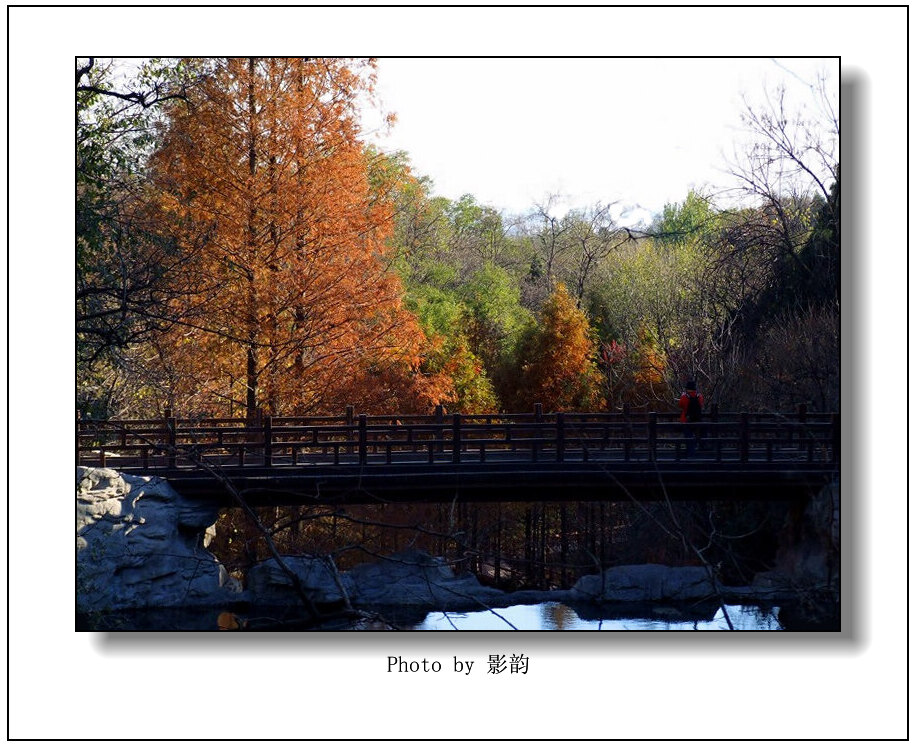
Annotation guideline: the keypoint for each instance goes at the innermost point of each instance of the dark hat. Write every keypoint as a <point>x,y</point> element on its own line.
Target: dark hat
<point>691,385</point>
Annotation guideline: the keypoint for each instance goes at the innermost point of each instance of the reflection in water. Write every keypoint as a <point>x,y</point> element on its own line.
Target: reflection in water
<point>227,621</point>
<point>540,617</point>
<point>558,616</point>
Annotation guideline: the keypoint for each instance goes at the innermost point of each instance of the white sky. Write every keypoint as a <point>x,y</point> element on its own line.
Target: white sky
<point>638,131</point>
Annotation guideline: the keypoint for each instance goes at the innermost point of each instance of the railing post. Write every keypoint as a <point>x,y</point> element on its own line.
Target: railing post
<point>653,435</point>
<point>802,418</point>
<point>362,439</point>
<point>171,425</point>
<point>103,438</point>
<point>539,419</point>
<point>744,437</point>
<point>440,420</point>
<point>268,440</point>
<point>348,422</point>
<point>561,437</point>
<point>456,438</point>
<point>713,431</point>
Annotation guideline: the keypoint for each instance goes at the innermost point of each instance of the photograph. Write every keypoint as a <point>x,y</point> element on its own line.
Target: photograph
<point>457,343</point>
<point>485,373</point>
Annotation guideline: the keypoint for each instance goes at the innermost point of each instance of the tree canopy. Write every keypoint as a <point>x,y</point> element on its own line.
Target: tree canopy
<point>240,248</point>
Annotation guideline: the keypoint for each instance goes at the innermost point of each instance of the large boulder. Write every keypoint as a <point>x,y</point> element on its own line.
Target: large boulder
<point>139,544</point>
<point>640,583</point>
<point>408,579</point>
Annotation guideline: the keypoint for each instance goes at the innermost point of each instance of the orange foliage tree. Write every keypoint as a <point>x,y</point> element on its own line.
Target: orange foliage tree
<point>557,365</point>
<point>268,190</point>
<point>635,376</point>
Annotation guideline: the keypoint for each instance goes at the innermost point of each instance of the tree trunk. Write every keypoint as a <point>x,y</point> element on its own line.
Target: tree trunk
<point>251,372</point>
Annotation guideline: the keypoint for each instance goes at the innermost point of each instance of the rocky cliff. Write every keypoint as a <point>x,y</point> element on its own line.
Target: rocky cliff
<point>140,544</point>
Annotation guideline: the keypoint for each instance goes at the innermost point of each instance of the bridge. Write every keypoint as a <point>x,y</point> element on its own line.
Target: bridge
<point>362,459</point>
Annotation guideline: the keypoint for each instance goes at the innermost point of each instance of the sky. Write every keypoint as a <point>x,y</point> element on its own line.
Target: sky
<point>638,132</point>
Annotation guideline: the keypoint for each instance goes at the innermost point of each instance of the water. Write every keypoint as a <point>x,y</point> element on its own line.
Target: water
<point>548,616</point>
<point>560,617</point>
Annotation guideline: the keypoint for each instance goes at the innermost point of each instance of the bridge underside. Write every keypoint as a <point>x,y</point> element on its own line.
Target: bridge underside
<point>494,482</point>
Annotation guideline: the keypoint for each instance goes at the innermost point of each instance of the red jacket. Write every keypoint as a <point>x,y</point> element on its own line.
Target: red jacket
<point>685,398</point>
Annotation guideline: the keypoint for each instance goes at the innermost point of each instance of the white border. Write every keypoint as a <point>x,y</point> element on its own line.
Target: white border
<point>67,685</point>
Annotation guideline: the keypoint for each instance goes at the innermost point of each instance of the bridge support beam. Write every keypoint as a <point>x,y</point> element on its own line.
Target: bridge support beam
<point>535,482</point>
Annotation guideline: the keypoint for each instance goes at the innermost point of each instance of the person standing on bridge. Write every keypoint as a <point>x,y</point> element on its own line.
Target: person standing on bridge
<point>691,404</point>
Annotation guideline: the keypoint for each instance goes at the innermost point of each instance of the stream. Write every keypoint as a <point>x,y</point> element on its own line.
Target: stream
<point>561,617</point>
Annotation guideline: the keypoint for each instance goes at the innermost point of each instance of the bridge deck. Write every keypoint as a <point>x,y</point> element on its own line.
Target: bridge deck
<point>517,457</point>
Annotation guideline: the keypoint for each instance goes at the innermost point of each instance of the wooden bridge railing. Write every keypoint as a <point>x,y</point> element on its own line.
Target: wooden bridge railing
<point>366,440</point>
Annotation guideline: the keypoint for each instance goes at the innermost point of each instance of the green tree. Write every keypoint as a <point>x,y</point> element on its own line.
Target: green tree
<point>494,317</point>
<point>686,221</point>
<point>127,274</point>
<point>477,232</point>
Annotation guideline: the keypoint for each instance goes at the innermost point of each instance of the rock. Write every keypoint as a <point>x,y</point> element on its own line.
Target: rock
<point>414,578</point>
<point>808,558</point>
<point>642,583</point>
<point>139,545</point>
<point>409,579</point>
<point>268,584</point>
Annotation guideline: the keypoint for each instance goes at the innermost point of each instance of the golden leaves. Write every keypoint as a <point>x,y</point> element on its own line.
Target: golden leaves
<point>268,179</point>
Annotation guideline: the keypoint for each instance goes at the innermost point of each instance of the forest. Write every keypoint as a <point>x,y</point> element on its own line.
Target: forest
<point>241,251</point>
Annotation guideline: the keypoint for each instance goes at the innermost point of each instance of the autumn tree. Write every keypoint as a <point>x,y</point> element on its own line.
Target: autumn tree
<point>268,188</point>
<point>465,385</point>
<point>556,365</point>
